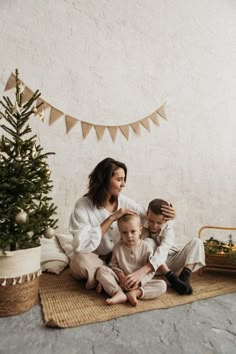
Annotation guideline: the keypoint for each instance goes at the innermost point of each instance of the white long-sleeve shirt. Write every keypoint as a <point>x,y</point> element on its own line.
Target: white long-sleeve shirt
<point>85,226</point>
<point>164,244</point>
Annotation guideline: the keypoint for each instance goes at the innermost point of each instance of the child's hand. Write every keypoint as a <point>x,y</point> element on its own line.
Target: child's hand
<point>133,280</point>
<point>126,287</point>
<point>169,212</point>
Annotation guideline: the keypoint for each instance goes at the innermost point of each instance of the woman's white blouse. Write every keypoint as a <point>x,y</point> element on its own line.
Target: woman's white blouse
<point>85,222</point>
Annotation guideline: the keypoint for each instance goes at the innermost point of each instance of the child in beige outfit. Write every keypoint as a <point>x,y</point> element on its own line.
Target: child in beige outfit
<point>129,254</point>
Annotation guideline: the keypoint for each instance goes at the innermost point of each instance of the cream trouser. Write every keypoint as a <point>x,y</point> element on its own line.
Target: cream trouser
<point>85,265</point>
<point>151,288</point>
<point>192,253</point>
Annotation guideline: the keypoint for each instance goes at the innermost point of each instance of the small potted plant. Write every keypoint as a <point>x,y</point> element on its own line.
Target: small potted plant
<point>26,209</point>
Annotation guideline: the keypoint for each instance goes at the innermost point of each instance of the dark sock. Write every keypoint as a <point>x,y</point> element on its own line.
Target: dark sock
<point>177,284</point>
<point>185,277</point>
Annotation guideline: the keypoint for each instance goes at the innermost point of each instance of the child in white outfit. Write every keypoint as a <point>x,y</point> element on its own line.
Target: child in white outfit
<point>129,254</point>
<point>167,258</point>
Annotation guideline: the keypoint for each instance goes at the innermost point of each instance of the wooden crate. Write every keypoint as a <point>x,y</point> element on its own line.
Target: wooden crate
<point>219,261</point>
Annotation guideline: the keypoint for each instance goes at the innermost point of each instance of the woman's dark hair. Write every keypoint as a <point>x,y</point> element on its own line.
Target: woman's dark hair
<point>99,180</point>
<point>155,206</point>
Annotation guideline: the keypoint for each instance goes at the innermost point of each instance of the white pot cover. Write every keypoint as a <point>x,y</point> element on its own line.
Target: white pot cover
<point>21,262</point>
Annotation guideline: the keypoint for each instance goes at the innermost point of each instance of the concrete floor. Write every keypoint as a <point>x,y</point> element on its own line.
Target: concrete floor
<point>203,327</point>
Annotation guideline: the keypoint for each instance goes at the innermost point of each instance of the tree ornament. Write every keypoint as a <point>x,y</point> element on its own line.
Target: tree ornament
<point>18,158</point>
<point>30,234</point>
<point>49,232</point>
<point>21,217</point>
<point>1,159</point>
<point>35,110</point>
<point>16,109</point>
<point>47,173</point>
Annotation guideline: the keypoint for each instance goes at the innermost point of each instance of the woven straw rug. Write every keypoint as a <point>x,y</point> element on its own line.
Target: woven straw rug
<point>66,303</point>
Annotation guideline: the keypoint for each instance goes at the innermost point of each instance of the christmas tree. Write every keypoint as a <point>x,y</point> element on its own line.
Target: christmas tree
<point>26,209</point>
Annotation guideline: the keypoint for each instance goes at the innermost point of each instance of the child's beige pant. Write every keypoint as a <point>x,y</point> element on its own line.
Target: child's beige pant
<point>151,288</point>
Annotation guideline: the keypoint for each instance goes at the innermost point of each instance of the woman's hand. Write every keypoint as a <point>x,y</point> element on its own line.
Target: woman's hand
<point>106,224</point>
<point>169,212</point>
<point>119,213</point>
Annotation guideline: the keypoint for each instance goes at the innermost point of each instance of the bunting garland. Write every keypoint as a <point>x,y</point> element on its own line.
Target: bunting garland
<point>86,127</point>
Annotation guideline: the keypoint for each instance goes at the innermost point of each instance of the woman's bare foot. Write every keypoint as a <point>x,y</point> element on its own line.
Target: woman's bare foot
<point>118,298</point>
<point>133,296</point>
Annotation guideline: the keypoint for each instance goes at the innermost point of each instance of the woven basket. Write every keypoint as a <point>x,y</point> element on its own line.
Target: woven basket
<point>224,261</point>
<point>221,259</point>
<point>19,280</point>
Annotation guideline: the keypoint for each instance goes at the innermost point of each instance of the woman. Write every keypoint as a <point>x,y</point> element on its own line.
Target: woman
<point>93,222</point>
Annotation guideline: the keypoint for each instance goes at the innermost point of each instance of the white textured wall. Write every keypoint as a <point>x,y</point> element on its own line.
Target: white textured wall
<point>114,62</point>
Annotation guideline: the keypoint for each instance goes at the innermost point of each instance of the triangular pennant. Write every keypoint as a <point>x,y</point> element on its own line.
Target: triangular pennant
<point>70,122</point>
<point>125,131</point>
<point>136,127</point>
<point>27,94</point>
<point>113,131</point>
<point>99,131</point>
<point>11,82</point>
<point>145,123</point>
<point>86,127</point>
<point>54,115</point>
<point>161,111</point>
<point>44,106</point>
<point>154,118</point>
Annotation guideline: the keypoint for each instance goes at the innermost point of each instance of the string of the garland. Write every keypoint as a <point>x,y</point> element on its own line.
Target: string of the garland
<point>70,121</point>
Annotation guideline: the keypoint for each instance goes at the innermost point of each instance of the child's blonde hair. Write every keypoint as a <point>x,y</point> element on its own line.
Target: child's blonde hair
<point>128,217</point>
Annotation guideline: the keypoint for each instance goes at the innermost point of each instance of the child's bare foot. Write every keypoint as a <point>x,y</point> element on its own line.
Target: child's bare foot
<point>118,298</point>
<point>133,296</point>
<point>99,288</point>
